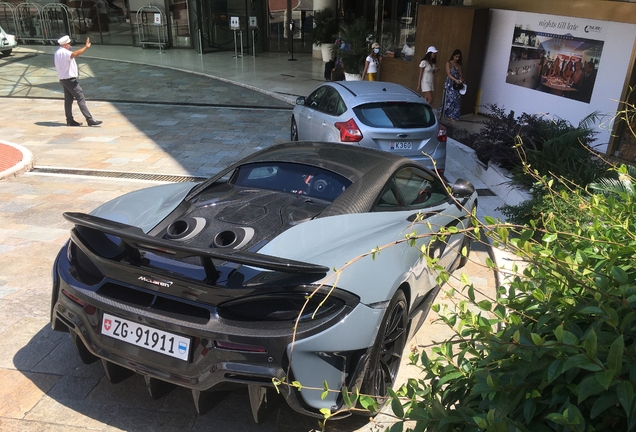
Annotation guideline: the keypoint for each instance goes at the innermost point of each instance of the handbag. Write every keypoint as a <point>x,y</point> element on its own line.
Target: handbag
<point>457,86</point>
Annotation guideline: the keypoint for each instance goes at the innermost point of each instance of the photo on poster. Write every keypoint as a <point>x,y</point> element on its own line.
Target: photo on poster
<point>561,65</point>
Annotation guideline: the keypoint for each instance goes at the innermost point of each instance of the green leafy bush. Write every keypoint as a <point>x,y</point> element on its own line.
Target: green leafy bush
<point>551,146</point>
<point>556,350</point>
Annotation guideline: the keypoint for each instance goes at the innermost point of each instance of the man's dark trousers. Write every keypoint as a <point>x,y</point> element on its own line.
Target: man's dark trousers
<point>73,91</point>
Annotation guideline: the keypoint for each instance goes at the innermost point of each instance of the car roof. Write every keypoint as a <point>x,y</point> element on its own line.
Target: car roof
<point>367,169</point>
<point>358,92</point>
<point>350,161</point>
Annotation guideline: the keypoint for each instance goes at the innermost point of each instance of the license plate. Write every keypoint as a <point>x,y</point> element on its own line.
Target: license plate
<point>146,337</point>
<point>401,145</point>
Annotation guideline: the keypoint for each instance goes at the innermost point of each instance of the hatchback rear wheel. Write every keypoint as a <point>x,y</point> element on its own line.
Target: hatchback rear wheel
<point>294,130</point>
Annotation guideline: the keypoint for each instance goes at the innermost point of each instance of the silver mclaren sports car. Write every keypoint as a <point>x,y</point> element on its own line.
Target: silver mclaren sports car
<point>263,272</point>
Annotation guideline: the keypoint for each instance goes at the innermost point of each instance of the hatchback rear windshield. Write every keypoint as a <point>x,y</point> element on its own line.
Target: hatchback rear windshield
<point>402,115</point>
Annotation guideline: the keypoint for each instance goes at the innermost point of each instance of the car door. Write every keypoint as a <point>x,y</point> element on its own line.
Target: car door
<point>325,116</point>
<point>307,112</point>
<point>423,195</point>
<point>426,194</point>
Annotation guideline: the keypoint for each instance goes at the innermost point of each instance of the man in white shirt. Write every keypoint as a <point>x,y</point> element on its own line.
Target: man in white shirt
<point>67,73</point>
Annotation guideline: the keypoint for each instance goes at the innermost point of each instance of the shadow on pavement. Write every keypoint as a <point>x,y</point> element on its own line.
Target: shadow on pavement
<point>57,388</point>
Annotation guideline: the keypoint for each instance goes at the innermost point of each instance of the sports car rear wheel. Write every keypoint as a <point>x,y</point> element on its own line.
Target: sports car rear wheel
<point>294,130</point>
<point>387,352</point>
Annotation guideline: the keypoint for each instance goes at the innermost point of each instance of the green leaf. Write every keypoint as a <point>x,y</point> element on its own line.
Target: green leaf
<point>554,370</point>
<point>601,404</point>
<point>464,279</point>
<point>526,235</point>
<point>326,412</point>
<point>625,394</point>
<point>581,361</point>
<point>581,258</point>
<point>368,403</point>
<point>485,305</point>
<point>548,238</point>
<point>620,275</point>
<point>536,339</point>
<point>604,378</point>
<point>538,295</point>
<point>345,397</point>
<point>418,413</point>
<point>615,356</point>
<point>589,386</point>
<point>396,406</point>
<point>490,382</point>
<point>590,344</point>
<point>480,422</point>
<point>397,427</point>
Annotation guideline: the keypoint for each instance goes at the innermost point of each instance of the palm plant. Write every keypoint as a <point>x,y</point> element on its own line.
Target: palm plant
<point>354,48</point>
<point>625,184</point>
<point>325,27</point>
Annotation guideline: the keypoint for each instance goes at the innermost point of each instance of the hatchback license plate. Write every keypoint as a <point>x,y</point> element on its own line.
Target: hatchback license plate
<point>146,337</point>
<point>401,145</point>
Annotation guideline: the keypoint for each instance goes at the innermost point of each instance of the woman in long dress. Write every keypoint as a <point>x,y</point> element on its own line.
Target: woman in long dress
<point>452,101</point>
<point>427,68</point>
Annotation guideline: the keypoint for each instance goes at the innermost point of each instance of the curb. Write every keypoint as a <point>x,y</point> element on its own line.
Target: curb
<point>26,164</point>
<point>496,178</point>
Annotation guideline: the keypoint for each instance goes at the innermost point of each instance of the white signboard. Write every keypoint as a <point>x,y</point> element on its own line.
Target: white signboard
<point>534,63</point>
<point>157,19</point>
<point>234,23</point>
<point>253,23</point>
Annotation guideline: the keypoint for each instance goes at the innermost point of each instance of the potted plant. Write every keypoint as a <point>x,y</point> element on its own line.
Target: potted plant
<point>353,47</point>
<point>324,31</point>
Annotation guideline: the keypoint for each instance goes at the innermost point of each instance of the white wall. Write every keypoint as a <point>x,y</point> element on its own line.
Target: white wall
<point>613,66</point>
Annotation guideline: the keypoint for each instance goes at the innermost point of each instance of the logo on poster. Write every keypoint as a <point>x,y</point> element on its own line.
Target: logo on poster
<point>593,29</point>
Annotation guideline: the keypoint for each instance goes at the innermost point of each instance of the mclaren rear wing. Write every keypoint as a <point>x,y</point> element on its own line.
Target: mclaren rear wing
<point>134,240</point>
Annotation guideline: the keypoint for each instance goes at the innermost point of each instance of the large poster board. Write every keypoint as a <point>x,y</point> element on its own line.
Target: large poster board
<point>519,68</point>
<point>554,61</point>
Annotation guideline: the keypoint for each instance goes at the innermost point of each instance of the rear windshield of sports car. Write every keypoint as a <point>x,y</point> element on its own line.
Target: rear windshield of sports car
<point>401,115</point>
<point>292,178</point>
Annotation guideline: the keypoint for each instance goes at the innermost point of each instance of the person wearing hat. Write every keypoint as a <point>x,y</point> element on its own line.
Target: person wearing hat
<point>67,73</point>
<point>427,69</point>
<point>372,63</point>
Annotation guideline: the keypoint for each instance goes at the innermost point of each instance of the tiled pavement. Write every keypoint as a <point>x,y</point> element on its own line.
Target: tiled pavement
<point>43,385</point>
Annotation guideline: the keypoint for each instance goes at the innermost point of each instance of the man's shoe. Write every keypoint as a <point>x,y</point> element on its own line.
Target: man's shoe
<point>94,122</point>
<point>73,123</point>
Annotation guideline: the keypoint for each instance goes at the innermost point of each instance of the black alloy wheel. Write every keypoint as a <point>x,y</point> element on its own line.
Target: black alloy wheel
<point>386,355</point>
<point>294,130</point>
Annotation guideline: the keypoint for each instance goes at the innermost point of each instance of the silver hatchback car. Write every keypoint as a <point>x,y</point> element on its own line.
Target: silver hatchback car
<point>372,114</point>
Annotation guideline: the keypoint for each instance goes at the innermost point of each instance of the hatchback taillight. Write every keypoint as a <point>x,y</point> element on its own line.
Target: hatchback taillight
<point>349,131</point>
<point>441,134</point>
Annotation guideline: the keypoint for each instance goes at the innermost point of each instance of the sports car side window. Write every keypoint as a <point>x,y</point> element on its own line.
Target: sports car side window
<point>314,99</point>
<point>419,189</point>
<point>389,199</point>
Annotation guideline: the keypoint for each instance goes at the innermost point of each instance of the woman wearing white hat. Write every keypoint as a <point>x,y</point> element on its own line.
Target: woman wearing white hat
<point>372,63</point>
<point>427,69</point>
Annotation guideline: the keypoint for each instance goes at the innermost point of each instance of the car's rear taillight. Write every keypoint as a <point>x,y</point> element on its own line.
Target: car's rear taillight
<point>441,134</point>
<point>349,131</point>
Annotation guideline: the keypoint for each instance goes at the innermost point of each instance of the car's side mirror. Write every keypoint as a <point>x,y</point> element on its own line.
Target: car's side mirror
<point>463,188</point>
<point>300,100</point>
